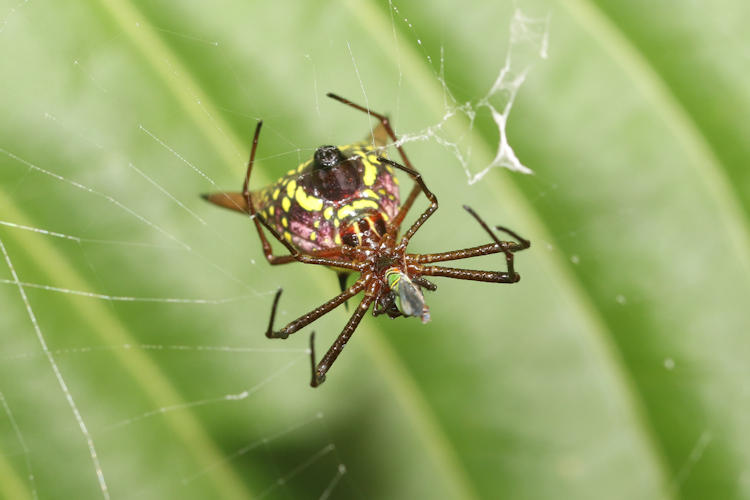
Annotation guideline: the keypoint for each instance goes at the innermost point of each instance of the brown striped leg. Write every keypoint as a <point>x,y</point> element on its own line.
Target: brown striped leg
<point>406,206</point>
<point>464,253</point>
<point>325,257</point>
<point>267,250</point>
<point>468,253</point>
<point>510,276</point>
<point>508,253</point>
<point>470,274</point>
<point>316,313</point>
<point>319,372</point>
<point>430,196</point>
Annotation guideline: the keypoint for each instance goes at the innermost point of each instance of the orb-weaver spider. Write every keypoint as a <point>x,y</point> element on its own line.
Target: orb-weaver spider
<point>341,209</point>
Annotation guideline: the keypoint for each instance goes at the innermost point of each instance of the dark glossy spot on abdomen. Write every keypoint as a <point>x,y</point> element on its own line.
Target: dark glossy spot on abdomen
<point>336,182</point>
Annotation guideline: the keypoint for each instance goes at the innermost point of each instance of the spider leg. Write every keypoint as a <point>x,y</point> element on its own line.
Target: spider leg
<point>381,118</point>
<point>311,316</point>
<point>523,243</point>
<point>323,257</point>
<point>429,285</point>
<point>267,250</point>
<point>430,196</point>
<point>319,371</point>
<point>406,206</point>
<point>464,253</point>
<point>343,276</point>
<point>467,253</point>
<point>508,253</point>
<point>507,247</point>
<point>478,251</point>
<point>470,274</point>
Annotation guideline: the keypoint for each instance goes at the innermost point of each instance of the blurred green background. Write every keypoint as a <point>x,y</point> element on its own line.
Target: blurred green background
<point>617,368</point>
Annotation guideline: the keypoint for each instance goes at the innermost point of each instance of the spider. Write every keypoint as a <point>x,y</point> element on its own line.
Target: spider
<point>341,209</point>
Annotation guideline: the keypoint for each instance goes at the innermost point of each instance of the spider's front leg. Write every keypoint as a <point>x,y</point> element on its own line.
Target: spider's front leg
<point>507,247</point>
<point>507,250</point>
<point>316,313</point>
<point>319,371</point>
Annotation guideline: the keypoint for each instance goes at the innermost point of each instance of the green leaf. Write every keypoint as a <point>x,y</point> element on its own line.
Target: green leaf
<point>615,369</point>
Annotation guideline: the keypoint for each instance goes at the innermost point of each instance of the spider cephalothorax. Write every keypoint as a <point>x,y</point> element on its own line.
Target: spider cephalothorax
<point>342,209</point>
<point>386,268</point>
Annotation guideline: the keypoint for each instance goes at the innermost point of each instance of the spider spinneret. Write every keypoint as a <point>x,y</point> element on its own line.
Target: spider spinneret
<point>342,209</point>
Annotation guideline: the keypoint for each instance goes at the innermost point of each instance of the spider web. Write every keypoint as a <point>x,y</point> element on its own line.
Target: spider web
<point>528,42</point>
<point>78,309</point>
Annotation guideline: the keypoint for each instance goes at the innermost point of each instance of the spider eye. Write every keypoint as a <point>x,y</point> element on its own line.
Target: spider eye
<point>328,157</point>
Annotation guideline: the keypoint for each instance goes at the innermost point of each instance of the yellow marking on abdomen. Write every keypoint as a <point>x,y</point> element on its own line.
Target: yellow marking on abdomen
<point>309,203</point>
<point>354,207</point>
<point>290,187</point>
<point>371,172</point>
<point>344,211</point>
<point>286,204</point>
<point>360,204</point>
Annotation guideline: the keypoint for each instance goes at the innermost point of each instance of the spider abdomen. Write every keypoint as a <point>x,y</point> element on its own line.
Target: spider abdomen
<point>316,207</point>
